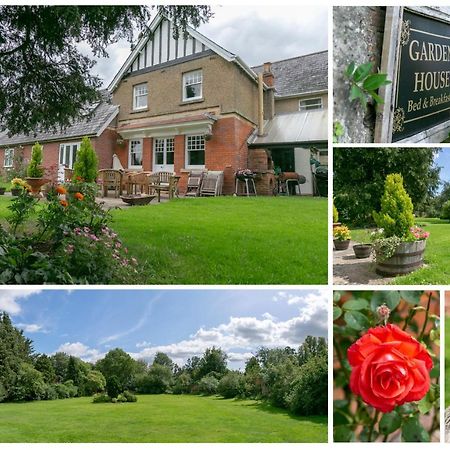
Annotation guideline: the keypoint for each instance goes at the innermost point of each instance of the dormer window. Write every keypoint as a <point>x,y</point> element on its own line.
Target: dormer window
<point>310,103</point>
<point>192,85</point>
<point>140,93</point>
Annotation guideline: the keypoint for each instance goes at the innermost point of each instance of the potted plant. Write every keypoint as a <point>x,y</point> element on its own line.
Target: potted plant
<point>35,171</point>
<point>363,248</point>
<point>17,186</point>
<point>398,245</point>
<point>341,237</point>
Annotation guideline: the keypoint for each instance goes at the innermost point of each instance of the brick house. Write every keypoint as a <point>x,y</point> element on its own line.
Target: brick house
<point>59,148</point>
<point>187,103</point>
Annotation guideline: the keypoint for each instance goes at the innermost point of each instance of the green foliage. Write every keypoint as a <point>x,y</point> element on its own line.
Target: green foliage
<point>338,131</point>
<point>183,383</point>
<point>113,386</point>
<point>72,390</point>
<point>93,382</point>
<point>360,174</point>
<point>117,363</point>
<point>130,397</point>
<point>35,169</point>
<point>384,248</point>
<point>396,215</point>
<point>308,393</point>
<point>364,84</point>
<point>335,214</point>
<point>208,385</point>
<point>213,360</point>
<point>157,380</point>
<point>163,360</point>
<point>341,233</point>
<point>445,212</point>
<point>101,398</point>
<point>44,365</point>
<point>28,385</point>
<point>86,163</point>
<point>231,385</point>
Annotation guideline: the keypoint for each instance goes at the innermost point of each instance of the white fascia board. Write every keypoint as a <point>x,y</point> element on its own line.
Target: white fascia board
<point>139,46</point>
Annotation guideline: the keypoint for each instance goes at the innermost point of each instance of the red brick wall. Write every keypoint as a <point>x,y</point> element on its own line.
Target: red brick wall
<point>147,154</point>
<point>104,146</point>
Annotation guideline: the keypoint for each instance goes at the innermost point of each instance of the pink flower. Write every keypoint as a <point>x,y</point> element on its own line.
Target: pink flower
<point>69,249</point>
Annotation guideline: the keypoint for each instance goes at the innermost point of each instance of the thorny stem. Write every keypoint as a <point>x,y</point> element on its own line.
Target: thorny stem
<point>411,314</point>
<point>372,425</point>
<point>427,313</point>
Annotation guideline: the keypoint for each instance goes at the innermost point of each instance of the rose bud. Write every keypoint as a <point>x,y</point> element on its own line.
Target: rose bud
<point>389,368</point>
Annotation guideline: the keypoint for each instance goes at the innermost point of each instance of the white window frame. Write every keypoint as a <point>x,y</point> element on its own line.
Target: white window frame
<point>130,166</point>
<point>167,143</point>
<point>8,158</point>
<point>186,153</point>
<point>71,161</point>
<point>318,105</point>
<point>187,82</point>
<point>137,94</point>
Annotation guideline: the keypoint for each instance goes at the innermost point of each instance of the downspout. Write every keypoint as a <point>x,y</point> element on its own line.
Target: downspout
<point>260,105</point>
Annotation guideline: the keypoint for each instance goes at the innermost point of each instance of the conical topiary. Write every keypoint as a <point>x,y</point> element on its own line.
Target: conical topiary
<point>35,169</point>
<point>86,163</point>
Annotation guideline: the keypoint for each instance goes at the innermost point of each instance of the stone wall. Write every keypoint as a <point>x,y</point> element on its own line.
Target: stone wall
<point>357,36</point>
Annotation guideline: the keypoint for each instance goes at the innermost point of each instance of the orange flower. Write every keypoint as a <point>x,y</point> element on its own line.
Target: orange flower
<point>61,190</point>
<point>79,196</point>
<point>64,203</point>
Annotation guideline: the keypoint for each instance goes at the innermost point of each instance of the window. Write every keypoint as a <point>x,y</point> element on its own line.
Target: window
<point>164,151</point>
<point>195,151</point>
<point>9,157</point>
<point>140,96</point>
<point>192,85</point>
<point>68,154</point>
<point>310,103</point>
<point>135,156</point>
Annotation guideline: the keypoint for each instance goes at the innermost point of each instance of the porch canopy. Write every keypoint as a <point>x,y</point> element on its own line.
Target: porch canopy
<point>305,128</point>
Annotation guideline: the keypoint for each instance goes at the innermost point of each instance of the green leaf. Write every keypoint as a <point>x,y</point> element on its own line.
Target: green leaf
<point>374,81</point>
<point>405,409</point>
<point>435,371</point>
<point>343,433</point>
<point>339,418</point>
<point>413,431</point>
<point>340,404</point>
<point>425,405</point>
<point>336,312</point>
<point>376,97</point>
<point>350,69</point>
<point>336,296</point>
<point>356,93</point>
<point>390,298</point>
<point>389,423</point>
<point>355,305</point>
<point>411,296</point>
<point>362,71</point>
<point>356,320</point>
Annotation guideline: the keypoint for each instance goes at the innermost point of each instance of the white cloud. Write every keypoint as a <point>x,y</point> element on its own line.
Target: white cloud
<point>80,351</point>
<point>10,298</point>
<point>269,316</point>
<point>31,327</point>
<point>143,344</point>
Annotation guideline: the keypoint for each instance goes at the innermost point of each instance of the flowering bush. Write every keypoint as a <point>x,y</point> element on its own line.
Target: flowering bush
<point>19,183</point>
<point>341,233</point>
<point>418,233</point>
<point>386,367</point>
<point>67,240</point>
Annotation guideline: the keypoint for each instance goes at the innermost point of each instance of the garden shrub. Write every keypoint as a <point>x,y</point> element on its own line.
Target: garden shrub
<point>231,385</point>
<point>29,384</point>
<point>121,398</point>
<point>277,380</point>
<point>101,398</point>
<point>72,390</point>
<point>182,384</point>
<point>94,382</point>
<point>35,169</point>
<point>130,397</point>
<point>85,167</point>
<point>50,392</point>
<point>113,387</point>
<point>335,214</point>
<point>396,214</point>
<point>308,393</point>
<point>445,212</point>
<point>156,381</point>
<point>208,385</point>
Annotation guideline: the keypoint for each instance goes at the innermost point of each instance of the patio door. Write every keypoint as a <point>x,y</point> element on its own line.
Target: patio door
<point>163,154</point>
<point>68,154</point>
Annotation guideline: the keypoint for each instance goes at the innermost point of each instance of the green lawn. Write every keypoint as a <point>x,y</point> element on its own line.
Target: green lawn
<point>156,418</point>
<point>437,254</point>
<point>229,240</point>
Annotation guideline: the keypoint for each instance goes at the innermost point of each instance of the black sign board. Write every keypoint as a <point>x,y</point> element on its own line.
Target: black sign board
<point>423,76</point>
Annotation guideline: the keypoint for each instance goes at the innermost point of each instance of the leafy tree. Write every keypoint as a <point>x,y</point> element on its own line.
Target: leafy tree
<point>253,378</point>
<point>29,384</point>
<point>163,360</point>
<point>74,371</point>
<point>60,361</point>
<point>277,381</point>
<point>86,163</point>
<point>192,367</point>
<point>208,385</point>
<point>35,169</point>
<point>113,386</point>
<point>312,347</point>
<point>396,216</point>
<point>120,364</point>
<point>359,175</point>
<point>213,360</point>
<point>45,81</point>
<point>44,365</point>
<point>445,212</point>
<point>156,381</point>
<point>231,385</point>
<point>94,382</point>
<point>182,384</point>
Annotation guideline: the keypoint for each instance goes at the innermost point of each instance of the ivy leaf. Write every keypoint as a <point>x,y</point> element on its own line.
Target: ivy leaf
<point>375,81</point>
<point>413,431</point>
<point>356,320</point>
<point>362,71</point>
<point>343,433</point>
<point>336,312</point>
<point>391,298</point>
<point>411,296</point>
<point>355,305</point>
<point>389,423</point>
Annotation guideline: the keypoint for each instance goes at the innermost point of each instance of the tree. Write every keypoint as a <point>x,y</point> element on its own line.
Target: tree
<point>44,365</point>
<point>86,163</point>
<point>60,361</point>
<point>94,382</point>
<point>312,347</point>
<point>208,385</point>
<point>45,81</point>
<point>35,169</point>
<point>183,383</point>
<point>163,360</point>
<point>120,364</point>
<point>156,381</point>
<point>359,175</point>
<point>231,385</point>
<point>74,371</point>
<point>213,360</point>
<point>445,211</point>
<point>113,386</point>
<point>29,384</point>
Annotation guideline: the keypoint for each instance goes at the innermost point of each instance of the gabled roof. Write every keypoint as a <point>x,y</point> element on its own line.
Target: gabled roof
<point>300,75</point>
<point>91,126</point>
<point>225,54</point>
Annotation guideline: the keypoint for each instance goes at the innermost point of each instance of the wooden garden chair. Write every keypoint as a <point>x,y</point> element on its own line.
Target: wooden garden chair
<point>110,179</point>
<point>212,184</point>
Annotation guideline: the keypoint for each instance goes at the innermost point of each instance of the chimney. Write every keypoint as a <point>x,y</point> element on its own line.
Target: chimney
<point>267,74</point>
<point>260,105</point>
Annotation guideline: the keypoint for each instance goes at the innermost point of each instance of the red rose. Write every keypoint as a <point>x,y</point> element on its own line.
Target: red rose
<point>389,368</point>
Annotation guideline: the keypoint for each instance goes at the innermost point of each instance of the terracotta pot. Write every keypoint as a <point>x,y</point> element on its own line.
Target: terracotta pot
<point>36,184</point>
<point>341,245</point>
<point>362,250</point>
<point>407,258</point>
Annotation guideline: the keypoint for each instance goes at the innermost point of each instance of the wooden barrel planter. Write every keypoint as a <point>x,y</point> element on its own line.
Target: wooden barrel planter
<point>362,250</point>
<point>407,258</point>
<point>341,245</point>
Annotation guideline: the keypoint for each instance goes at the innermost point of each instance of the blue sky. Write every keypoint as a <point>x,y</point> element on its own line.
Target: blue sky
<point>182,323</point>
<point>443,160</point>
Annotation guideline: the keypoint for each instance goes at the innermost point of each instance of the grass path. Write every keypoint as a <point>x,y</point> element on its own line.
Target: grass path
<point>156,418</point>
